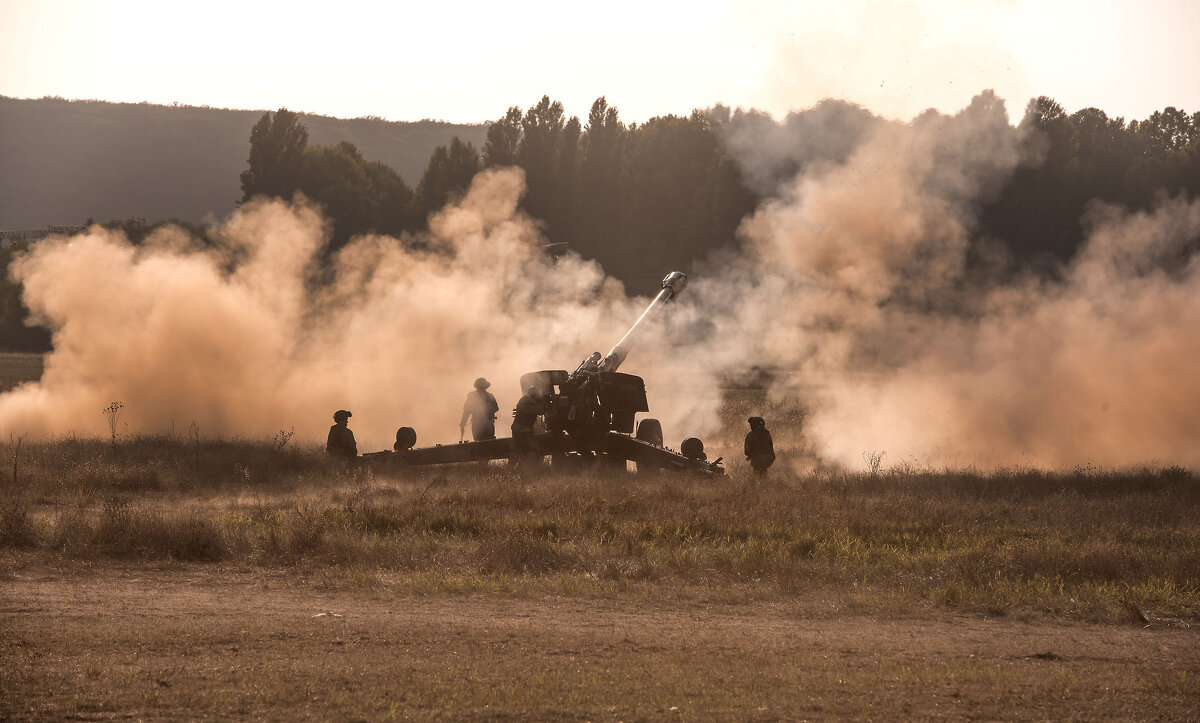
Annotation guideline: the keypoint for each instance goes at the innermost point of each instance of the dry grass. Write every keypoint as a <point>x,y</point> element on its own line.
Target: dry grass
<point>1095,545</point>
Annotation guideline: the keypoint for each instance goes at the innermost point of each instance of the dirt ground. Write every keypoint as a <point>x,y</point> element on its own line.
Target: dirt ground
<point>206,642</point>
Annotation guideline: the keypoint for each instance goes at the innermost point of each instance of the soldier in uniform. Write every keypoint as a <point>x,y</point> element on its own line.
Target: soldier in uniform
<point>341,440</point>
<point>760,450</point>
<point>529,408</point>
<point>480,408</point>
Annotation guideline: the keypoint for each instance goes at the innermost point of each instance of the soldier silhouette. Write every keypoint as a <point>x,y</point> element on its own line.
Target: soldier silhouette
<point>760,450</point>
<point>480,408</point>
<point>340,442</point>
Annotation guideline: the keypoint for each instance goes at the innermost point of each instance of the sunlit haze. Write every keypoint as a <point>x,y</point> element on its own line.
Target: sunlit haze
<point>874,276</point>
<point>468,61</point>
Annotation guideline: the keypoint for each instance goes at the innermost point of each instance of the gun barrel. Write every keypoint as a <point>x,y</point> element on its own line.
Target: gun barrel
<point>672,285</point>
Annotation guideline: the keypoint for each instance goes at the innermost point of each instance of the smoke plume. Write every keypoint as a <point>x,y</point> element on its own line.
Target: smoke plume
<point>856,282</point>
<point>234,340</point>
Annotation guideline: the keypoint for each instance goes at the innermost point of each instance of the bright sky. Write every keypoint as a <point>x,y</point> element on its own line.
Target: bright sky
<point>469,60</point>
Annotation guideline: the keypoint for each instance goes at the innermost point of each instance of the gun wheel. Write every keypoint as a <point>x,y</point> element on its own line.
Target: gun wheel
<point>692,448</point>
<point>406,439</point>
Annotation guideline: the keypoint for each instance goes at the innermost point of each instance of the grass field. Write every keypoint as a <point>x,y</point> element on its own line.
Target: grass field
<point>165,577</point>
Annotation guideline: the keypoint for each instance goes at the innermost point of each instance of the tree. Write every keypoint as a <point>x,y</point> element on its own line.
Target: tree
<point>541,143</point>
<point>1167,131</point>
<point>1161,153</point>
<point>360,196</point>
<point>658,195</point>
<point>448,174</point>
<point>1038,211</point>
<point>1104,151</point>
<point>503,140</point>
<point>601,169</point>
<point>569,202</point>
<point>15,334</point>
<point>336,177</point>
<point>1191,159</point>
<point>672,175</point>
<point>394,199</point>
<point>277,145</point>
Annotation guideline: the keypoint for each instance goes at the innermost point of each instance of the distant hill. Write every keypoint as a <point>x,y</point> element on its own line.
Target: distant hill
<point>64,162</point>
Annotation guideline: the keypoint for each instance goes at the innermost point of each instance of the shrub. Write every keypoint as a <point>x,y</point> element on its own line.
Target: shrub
<point>523,553</point>
<point>194,539</point>
<point>97,475</point>
<point>16,529</point>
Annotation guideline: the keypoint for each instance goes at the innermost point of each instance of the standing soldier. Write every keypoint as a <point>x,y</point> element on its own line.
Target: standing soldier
<point>480,408</point>
<point>528,408</point>
<point>341,442</point>
<point>760,450</point>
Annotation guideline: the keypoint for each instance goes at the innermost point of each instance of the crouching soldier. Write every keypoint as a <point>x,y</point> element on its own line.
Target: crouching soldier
<point>529,408</point>
<point>760,450</point>
<point>340,443</point>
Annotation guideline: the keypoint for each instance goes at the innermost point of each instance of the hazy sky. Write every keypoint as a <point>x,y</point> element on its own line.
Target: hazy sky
<point>469,60</point>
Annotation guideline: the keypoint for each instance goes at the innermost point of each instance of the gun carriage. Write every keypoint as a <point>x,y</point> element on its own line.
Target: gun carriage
<point>589,417</point>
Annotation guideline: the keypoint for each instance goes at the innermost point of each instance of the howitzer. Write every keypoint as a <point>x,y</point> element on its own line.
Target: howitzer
<point>588,417</point>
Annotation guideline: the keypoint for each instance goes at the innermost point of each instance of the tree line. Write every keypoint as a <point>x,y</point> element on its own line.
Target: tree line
<point>1087,157</point>
<point>358,195</point>
<point>663,194</point>
<point>642,199</point>
<point>633,197</point>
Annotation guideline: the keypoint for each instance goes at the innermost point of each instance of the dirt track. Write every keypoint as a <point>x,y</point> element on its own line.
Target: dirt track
<point>171,643</point>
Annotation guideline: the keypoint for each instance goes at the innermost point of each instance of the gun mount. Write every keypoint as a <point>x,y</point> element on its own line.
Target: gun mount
<point>588,417</point>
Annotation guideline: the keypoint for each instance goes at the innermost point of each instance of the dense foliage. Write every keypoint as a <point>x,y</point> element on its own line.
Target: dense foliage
<point>637,198</point>
<point>1086,157</point>
<point>669,192</point>
<point>633,197</point>
<point>13,331</point>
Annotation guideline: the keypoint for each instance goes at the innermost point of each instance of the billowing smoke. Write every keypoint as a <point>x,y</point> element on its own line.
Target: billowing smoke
<point>233,339</point>
<point>771,154</point>
<point>852,283</point>
<point>856,281</point>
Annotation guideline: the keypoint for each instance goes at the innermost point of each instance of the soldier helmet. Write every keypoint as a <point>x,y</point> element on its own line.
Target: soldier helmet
<point>756,422</point>
<point>341,415</point>
<point>533,392</point>
<point>482,384</point>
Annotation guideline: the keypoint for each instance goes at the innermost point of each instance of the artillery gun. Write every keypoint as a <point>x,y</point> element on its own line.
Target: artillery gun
<point>589,417</point>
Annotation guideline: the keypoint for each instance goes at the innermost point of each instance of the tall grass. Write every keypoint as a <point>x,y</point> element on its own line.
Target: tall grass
<point>1087,543</point>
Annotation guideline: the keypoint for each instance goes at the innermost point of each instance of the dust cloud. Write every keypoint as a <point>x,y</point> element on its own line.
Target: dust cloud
<point>863,281</point>
<point>856,285</point>
<point>234,340</point>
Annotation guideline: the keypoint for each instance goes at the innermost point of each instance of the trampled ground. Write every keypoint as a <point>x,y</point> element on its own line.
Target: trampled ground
<point>168,642</point>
